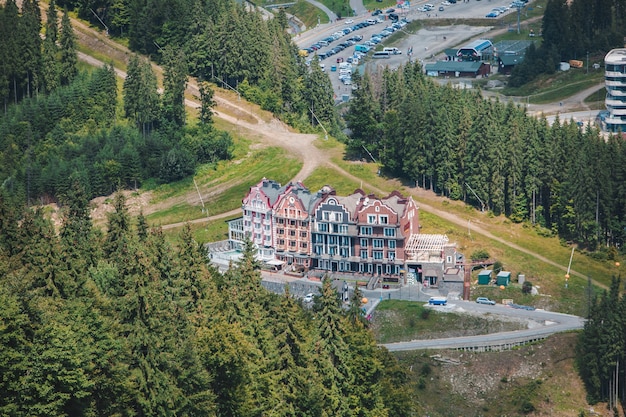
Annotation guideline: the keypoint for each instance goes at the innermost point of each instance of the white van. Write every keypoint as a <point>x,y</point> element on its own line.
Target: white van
<point>345,65</point>
<point>381,55</point>
<point>393,51</point>
<point>371,21</point>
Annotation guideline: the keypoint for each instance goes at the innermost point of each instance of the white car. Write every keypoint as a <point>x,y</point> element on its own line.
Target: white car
<point>485,300</point>
<point>446,3</point>
<point>308,298</point>
<point>349,22</point>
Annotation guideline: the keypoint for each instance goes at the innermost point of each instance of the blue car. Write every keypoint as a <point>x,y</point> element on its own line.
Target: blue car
<point>492,14</point>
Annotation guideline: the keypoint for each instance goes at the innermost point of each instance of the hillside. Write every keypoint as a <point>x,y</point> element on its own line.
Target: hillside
<point>528,377</point>
<point>535,380</point>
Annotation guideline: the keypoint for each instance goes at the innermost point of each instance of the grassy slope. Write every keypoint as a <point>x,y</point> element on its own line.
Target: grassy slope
<point>561,392</point>
<point>539,378</point>
<point>250,163</point>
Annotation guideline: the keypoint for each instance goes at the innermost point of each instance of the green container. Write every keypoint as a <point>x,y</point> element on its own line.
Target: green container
<point>503,278</point>
<point>484,277</point>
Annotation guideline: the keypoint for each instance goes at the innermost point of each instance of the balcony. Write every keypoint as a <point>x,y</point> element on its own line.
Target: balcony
<point>614,92</point>
<point>621,83</point>
<point>611,102</point>
<point>614,74</point>
<point>621,111</point>
<point>615,121</point>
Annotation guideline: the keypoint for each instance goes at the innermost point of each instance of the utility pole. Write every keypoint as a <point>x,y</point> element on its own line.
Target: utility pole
<point>106,28</point>
<point>320,123</point>
<point>482,205</point>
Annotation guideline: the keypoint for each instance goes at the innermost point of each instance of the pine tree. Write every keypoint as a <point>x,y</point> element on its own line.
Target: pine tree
<point>11,60</point>
<point>30,44</point>
<point>192,281</point>
<point>363,115</point>
<point>332,356</point>
<point>131,87</point>
<point>69,58</point>
<point>77,240</point>
<point>40,255</point>
<point>50,64</point>
<point>206,103</point>
<point>14,355</point>
<point>50,67</point>
<point>174,84</point>
<point>117,239</point>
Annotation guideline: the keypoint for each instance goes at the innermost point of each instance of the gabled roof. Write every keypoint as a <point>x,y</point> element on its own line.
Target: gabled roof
<point>351,202</point>
<point>270,188</point>
<point>507,60</point>
<point>303,193</point>
<point>454,66</point>
<point>478,45</point>
<point>397,202</point>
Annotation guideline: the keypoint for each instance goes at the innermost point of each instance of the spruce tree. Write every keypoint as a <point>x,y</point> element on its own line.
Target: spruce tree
<point>207,103</point>
<point>77,239</point>
<point>30,45</point>
<point>174,84</point>
<point>67,69</point>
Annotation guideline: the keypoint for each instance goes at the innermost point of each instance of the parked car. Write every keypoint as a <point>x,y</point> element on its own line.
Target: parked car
<point>349,22</point>
<point>485,300</point>
<point>390,10</point>
<point>441,9</point>
<point>377,12</point>
<point>492,14</point>
<point>308,298</point>
<point>438,301</point>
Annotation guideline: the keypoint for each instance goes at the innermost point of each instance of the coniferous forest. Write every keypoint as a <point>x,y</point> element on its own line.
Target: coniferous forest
<point>120,323</point>
<point>601,349</point>
<point>573,30</point>
<point>563,177</point>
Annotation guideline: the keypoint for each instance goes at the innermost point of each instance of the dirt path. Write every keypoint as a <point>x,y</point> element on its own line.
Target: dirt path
<point>276,133</point>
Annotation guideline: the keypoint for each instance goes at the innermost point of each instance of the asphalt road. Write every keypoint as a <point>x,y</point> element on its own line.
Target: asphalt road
<point>545,324</point>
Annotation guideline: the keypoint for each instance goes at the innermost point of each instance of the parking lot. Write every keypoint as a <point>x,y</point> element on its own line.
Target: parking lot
<point>426,45</point>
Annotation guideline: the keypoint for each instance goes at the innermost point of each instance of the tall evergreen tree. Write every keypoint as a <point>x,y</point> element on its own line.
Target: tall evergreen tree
<point>10,57</point>
<point>30,44</point>
<point>331,356</point>
<point>174,84</point>
<point>67,68</point>
<point>363,115</point>
<point>207,103</point>
<point>77,240</point>
<point>50,63</point>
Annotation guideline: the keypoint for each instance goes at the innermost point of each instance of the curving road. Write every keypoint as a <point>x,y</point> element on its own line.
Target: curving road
<point>548,323</point>
<point>331,15</point>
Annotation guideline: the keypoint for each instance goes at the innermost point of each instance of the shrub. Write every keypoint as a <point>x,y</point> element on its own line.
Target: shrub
<point>480,255</point>
<point>527,287</point>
